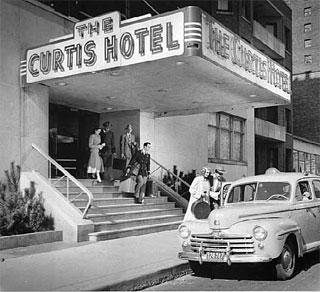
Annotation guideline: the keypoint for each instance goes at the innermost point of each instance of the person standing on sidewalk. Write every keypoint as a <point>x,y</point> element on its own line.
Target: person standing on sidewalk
<point>200,188</point>
<point>108,151</point>
<point>140,163</point>
<point>217,180</point>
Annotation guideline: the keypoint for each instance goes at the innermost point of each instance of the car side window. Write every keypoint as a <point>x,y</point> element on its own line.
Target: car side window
<point>316,188</point>
<point>303,192</point>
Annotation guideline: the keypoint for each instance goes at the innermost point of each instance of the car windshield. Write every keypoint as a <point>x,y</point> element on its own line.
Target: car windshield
<point>259,191</point>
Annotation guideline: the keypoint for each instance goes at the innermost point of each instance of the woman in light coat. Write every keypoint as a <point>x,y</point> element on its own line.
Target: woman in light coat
<point>200,187</point>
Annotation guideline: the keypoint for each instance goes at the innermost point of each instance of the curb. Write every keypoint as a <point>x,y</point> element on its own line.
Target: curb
<point>145,281</point>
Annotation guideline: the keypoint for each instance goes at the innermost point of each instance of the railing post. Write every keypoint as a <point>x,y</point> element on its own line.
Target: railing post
<point>68,188</point>
<point>49,170</point>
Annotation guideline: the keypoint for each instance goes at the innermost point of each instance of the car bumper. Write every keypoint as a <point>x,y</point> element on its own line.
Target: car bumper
<point>227,258</point>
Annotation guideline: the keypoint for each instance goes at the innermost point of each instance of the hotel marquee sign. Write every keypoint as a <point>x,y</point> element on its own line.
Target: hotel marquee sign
<point>230,51</point>
<point>102,43</point>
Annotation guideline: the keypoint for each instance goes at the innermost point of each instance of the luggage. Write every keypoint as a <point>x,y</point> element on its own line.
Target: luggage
<point>119,164</point>
<point>201,209</point>
<point>128,185</point>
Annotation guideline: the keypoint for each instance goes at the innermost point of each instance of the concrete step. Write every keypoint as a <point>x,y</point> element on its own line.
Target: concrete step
<point>85,182</point>
<point>110,217</point>
<point>93,189</point>
<point>132,223</point>
<point>130,207</point>
<point>116,201</point>
<point>140,230</point>
<point>100,195</point>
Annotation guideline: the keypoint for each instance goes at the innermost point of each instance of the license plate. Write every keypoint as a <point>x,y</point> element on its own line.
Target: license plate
<point>215,256</point>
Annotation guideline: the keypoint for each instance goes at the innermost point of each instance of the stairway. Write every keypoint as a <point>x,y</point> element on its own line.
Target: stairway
<point>115,214</point>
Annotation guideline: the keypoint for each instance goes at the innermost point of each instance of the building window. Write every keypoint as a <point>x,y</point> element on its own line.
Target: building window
<point>288,41</point>
<point>225,5</point>
<point>225,137</point>
<point>308,59</point>
<point>246,9</point>
<point>307,43</point>
<point>307,11</point>
<point>272,28</point>
<point>306,162</point>
<point>307,27</point>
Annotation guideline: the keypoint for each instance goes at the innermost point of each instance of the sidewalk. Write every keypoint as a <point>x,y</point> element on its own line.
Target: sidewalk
<point>130,263</point>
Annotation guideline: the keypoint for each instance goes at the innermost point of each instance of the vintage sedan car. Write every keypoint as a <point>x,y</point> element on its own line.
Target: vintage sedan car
<point>273,217</point>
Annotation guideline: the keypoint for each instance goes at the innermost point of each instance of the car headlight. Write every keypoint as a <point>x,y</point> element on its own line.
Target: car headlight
<point>260,233</point>
<point>184,231</point>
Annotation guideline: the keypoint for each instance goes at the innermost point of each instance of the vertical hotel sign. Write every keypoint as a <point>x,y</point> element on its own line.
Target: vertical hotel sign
<point>103,43</point>
<point>230,51</point>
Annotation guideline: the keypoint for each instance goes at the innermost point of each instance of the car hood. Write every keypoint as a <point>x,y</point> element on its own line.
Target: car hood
<point>225,217</point>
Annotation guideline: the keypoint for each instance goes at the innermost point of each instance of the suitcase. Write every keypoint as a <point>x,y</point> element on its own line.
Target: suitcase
<point>119,164</point>
<point>128,185</point>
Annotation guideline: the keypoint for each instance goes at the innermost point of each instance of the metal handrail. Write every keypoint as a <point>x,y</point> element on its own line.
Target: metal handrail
<point>69,177</point>
<point>177,177</point>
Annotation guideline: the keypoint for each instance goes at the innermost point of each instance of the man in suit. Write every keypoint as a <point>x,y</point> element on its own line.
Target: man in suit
<point>216,183</point>
<point>109,151</point>
<point>127,144</point>
<point>142,158</point>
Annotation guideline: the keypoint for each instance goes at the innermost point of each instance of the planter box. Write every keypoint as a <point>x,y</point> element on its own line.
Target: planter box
<point>13,241</point>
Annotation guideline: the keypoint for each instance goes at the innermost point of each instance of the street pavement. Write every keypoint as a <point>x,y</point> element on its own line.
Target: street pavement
<point>131,263</point>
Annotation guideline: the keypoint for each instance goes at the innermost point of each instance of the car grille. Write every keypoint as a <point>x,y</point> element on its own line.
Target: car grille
<point>210,243</point>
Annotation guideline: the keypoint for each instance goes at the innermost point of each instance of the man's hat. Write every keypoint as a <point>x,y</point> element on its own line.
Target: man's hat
<point>106,124</point>
<point>220,170</point>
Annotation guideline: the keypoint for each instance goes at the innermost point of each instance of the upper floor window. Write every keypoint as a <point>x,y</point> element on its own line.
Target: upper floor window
<point>307,27</point>
<point>308,59</point>
<point>307,11</point>
<point>225,137</point>
<point>225,5</point>
<point>307,43</point>
<point>288,41</point>
<point>246,9</point>
<point>272,28</point>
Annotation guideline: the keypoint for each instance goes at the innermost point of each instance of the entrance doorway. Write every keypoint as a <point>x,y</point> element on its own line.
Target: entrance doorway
<point>69,131</point>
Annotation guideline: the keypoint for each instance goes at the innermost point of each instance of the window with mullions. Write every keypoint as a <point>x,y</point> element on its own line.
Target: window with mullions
<point>224,5</point>
<point>225,137</point>
<point>303,161</point>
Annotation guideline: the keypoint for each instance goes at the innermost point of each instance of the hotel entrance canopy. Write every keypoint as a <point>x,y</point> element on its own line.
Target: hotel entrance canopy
<point>180,60</point>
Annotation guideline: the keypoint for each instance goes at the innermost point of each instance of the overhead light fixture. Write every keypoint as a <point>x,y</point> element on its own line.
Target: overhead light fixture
<point>62,83</point>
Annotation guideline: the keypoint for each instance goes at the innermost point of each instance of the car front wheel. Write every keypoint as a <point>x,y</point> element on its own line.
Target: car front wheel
<point>285,263</point>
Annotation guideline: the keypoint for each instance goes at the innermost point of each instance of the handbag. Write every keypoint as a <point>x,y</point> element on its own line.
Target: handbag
<point>201,209</point>
<point>119,163</point>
